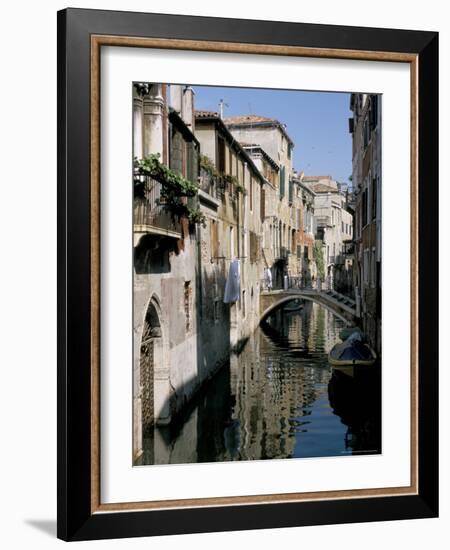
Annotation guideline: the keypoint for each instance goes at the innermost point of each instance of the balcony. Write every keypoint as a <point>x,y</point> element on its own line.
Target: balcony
<point>348,249</point>
<point>323,221</point>
<point>282,253</point>
<point>211,184</point>
<point>149,213</point>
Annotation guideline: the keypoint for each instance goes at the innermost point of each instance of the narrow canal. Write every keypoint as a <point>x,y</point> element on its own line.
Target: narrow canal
<point>279,398</point>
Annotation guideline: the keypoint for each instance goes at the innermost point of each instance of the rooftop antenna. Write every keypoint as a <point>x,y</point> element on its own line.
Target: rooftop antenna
<point>222,104</point>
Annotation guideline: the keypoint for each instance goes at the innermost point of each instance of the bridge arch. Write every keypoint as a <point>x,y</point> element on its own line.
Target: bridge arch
<point>278,301</point>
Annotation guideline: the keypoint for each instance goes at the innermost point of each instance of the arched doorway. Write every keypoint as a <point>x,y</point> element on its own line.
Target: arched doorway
<point>150,344</point>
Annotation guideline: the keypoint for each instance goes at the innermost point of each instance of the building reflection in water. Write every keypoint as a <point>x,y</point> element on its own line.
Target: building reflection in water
<point>279,398</point>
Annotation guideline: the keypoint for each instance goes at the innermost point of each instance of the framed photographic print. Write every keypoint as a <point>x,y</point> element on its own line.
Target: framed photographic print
<point>247,274</point>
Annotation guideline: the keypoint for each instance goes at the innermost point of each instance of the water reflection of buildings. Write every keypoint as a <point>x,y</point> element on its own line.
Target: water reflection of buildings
<point>267,403</point>
<point>274,393</point>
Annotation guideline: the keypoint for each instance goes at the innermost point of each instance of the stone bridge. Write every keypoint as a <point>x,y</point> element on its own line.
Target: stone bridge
<point>342,306</point>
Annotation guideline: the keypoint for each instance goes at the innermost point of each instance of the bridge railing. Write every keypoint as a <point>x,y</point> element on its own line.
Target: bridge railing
<point>294,282</point>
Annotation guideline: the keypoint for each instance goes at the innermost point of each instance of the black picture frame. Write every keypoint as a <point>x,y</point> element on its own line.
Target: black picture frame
<point>76,520</point>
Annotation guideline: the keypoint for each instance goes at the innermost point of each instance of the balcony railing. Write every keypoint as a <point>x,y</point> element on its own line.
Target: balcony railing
<point>213,185</point>
<point>149,212</point>
<point>348,249</point>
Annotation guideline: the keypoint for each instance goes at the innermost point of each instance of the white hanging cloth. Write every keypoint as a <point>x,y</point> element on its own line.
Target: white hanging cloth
<point>268,278</point>
<point>233,283</point>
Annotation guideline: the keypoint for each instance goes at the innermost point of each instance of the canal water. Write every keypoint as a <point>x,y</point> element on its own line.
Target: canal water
<point>279,398</point>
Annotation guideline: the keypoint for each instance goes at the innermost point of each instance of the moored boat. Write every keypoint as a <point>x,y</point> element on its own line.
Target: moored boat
<point>352,352</point>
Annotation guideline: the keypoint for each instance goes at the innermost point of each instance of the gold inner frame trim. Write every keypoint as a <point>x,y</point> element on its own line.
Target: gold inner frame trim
<point>97,41</point>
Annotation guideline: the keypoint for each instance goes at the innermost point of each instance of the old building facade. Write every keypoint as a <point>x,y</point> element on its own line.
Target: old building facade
<point>165,264</point>
<point>365,127</point>
<point>232,199</point>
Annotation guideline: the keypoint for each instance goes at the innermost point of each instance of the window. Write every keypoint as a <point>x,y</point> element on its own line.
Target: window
<point>192,161</point>
<point>366,130</point>
<point>255,247</point>
<point>366,267</point>
<point>282,181</point>
<point>221,155</point>
<point>187,304</point>
<point>373,112</point>
<point>364,208</point>
<point>231,243</point>
<point>216,310</point>
<point>214,228</point>
<point>351,125</point>
<point>262,208</point>
<point>374,198</point>
<point>373,269</point>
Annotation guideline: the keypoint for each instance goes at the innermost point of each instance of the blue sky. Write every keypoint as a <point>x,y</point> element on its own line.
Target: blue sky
<point>317,122</point>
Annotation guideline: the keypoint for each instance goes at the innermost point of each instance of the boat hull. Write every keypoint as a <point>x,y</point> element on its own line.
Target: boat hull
<point>336,360</point>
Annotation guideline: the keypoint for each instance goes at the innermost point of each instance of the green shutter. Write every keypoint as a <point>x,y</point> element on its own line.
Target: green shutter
<point>282,182</point>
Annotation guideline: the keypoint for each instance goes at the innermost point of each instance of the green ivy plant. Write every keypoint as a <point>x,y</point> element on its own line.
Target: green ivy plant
<point>175,188</point>
<point>240,188</point>
<point>208,166</point>
<point>221,179</point>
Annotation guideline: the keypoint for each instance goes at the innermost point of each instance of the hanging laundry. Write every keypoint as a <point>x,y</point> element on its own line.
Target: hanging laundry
<point>268,278</point>
<point>233,283</point>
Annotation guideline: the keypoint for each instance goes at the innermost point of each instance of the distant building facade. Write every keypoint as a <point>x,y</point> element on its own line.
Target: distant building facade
<point>268,142</point>
<point>306,233</point>
<point>334,228</point>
